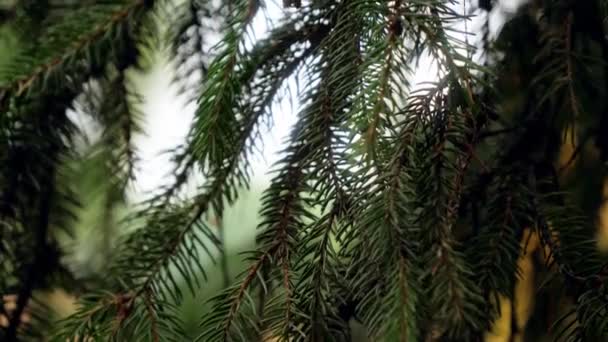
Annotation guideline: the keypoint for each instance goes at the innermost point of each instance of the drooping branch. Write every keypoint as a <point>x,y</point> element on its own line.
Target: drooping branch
<point>53,60</point>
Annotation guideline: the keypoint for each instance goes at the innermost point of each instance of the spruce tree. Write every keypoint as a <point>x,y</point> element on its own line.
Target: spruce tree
<point>411,210</point>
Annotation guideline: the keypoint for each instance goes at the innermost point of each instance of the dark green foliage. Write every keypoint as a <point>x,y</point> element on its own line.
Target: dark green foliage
<point>497,242</point>
<point>400,208</point>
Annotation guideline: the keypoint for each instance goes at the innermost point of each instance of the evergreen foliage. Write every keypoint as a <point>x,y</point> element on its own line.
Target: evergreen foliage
<point>404,207</point>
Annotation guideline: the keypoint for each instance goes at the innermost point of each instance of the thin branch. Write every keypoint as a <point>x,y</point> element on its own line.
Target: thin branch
<point>575,154</point>
<point>153,324</point>
<point>251,274</point>
<point>393,32</point>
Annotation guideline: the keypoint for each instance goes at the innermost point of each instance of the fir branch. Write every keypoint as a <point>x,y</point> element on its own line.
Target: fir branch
<point>54,70</point>
<point>590,315</point>
<point>564,230</point>
<point>121,317</point>
<point>223,174</point>
<point>557,72</point>
<point>228,173</point>
<point>391,47</point>
<point>164,245</point>
<point>216,112</point>
<point>255,95</point>
<point>318,286</point>
<point>283,209</point>
<point>153,323</point>
<point>325,119</point>
<point>215,192</point>
<point>440,182</point>
<point>52,59</point>
<point>495,248</point>
<point>445,48</point>
<point>384,238</point>
<point>385,241</point>
<point>218,326</point>
<point>282,212</point>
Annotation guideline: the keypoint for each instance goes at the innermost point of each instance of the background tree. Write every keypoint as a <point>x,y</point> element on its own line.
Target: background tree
<point>416,212</point>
